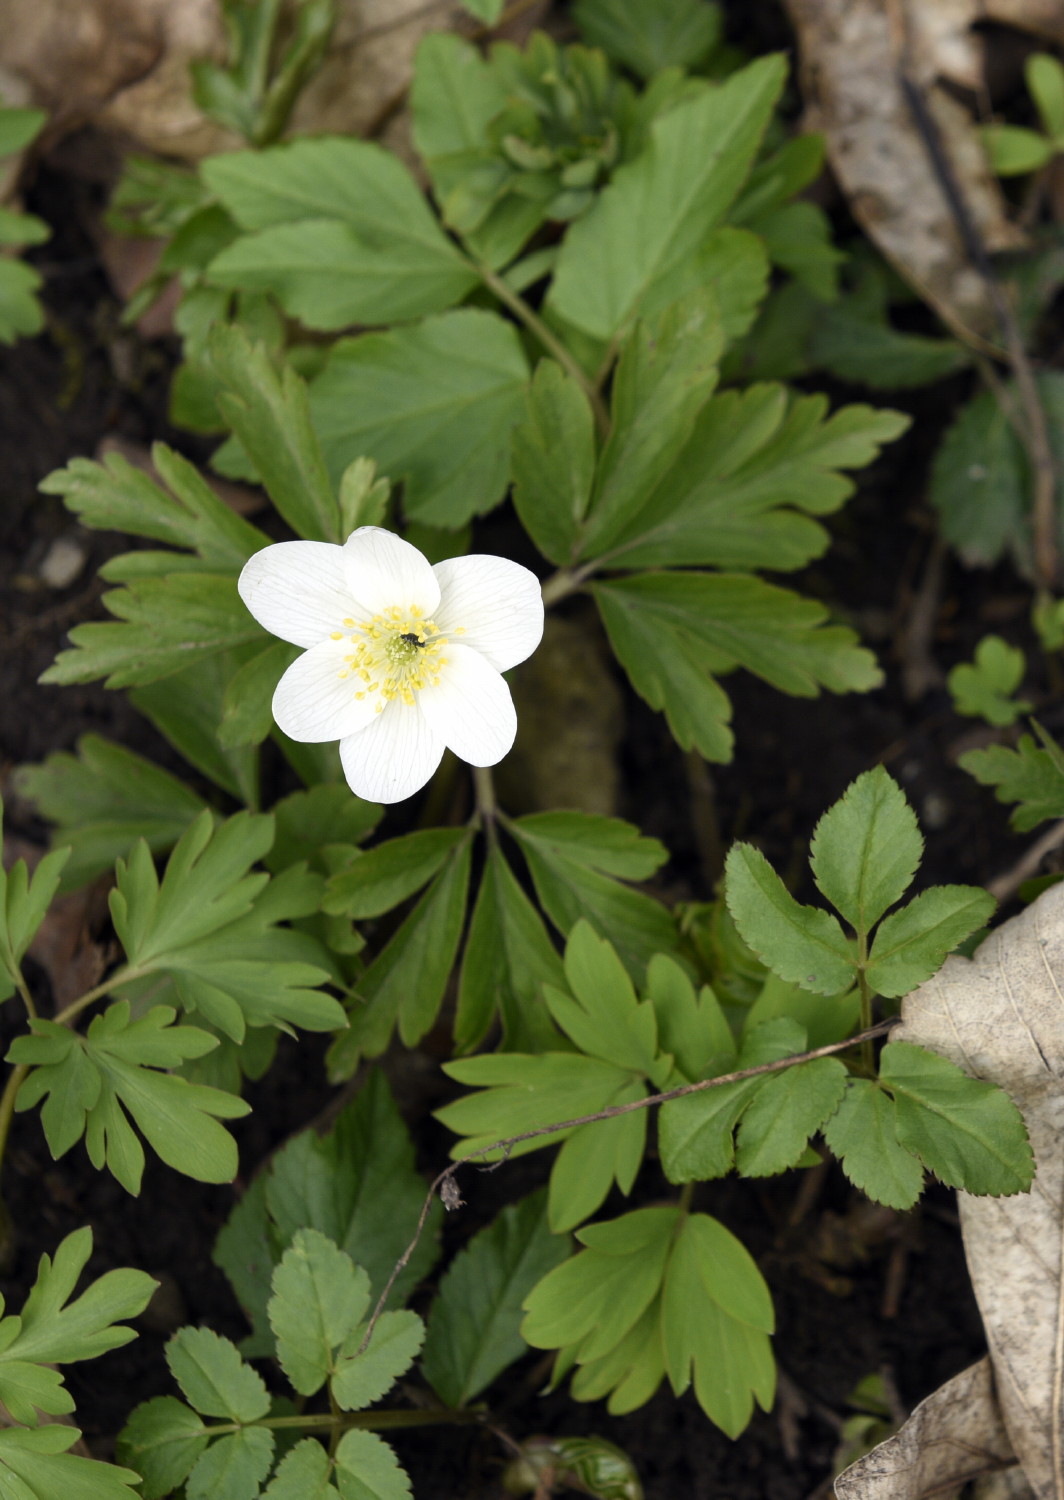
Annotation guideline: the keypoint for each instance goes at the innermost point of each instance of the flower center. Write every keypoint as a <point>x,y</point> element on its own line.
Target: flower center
<point>395,655</point>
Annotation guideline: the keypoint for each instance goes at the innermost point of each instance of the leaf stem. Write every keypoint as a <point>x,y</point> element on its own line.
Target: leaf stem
<point>549,340</point>
<point>120,976</point>
<point>567,581</point>
<point>380,1421</point>
<point>7,1102</point>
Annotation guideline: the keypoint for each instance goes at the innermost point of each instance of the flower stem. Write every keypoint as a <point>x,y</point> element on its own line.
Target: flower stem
<point>549,340</point>
<point>565,582</point>
<point>487,807</point>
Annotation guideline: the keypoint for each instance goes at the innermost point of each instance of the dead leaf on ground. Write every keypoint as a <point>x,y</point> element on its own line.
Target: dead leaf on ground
<point>851,52</point>
<point>1000,1016</point>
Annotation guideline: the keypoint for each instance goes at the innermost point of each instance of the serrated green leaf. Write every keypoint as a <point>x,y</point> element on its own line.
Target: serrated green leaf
<point>329,813</point>
<point>788,1108</point>
<point>162,1440</point>
<point>164,625</point>
<point>381,395</point>
<point>572,857</point>
<point>825,1018</point>
<point>91,1081</point>
<point>912,943</point>
<point>472,1331</point>
<point>742,493</point>
<point>691,1028</point>
<point>342,233</point>
<point>863,1135</point>
<point>303,1474</point>
<point>213,1377</point>
<point>390,872</point>
<point>553,461</point>
<point>799,943</point>
<point>596,1156</point>
<point>866,849</point>
<point>979,485</point>
<point>984,688</point>
<point>269,414</point>
<point>361,1379</point>
<point>1029,776</point>
<point>716,1317</point>
<point>319,1296</point>
<point>508,958</point>
<point>967,1132</point>
<point>367,1469</point>
<point>233,1466</point>
<point>659,208</point>
<point>21,313</point>
<point>405,983</point>
<point>695,1132</point>
<point>34,1465</point>
<point>24,901</point>
<point>115,495</point>
<point>247,710</point>
<point>649,35</point>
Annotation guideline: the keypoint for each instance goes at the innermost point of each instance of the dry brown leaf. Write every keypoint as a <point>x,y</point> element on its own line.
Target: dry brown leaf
<point>1000,1016</point>
<point>851,51</point>
<point>954,1436</point>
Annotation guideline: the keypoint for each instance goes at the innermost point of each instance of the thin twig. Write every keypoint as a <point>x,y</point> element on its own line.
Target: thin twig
<point>1008,882</point>
<point>443,1182</point>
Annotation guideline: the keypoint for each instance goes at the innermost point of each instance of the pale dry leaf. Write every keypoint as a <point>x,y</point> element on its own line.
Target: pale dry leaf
<point>954,1437</point>
<point>1000,1016</point>
<point>851,51</point>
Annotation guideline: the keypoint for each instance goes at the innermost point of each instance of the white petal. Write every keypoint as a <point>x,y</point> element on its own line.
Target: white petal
<point>297,590</point>
<point>497,602</point>
<point>384,571</point>
<point>313,702</point>
<point>392,758</point>
<point>469,707</point>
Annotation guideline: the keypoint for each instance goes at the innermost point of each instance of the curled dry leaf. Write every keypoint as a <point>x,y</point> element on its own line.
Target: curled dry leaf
<point>1000,1016</point>
<point>852,53</point>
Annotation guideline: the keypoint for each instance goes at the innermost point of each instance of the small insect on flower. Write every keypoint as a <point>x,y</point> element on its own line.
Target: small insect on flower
<point>402,660</point>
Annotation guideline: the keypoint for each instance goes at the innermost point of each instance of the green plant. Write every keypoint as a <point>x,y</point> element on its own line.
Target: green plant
<point>21,313</point>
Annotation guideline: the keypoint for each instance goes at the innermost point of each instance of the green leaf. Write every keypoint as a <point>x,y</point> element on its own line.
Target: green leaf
<point>605,1019</point>
<point>665,376</point>
<point>716,1317</point>
<point>799,943</point>
<point>361,1379</point>
<point>303,1474</point>
<point>449,442</point>
<point>47,1332</point>
<point>788,1109</point>
<point>487,11</point>
<point>554,461</point>
<point>367,1469</point>
<point>323,815</point>
<point>103,799</point>
<point>90,1082</point>
<point>914,942</point>
<point>866,849</point>
<point>854,339</point>
<point>23,905</point>
<point>213,1377</point>
<point>390,872</point>
<point>659,208</point>
<point>187,709</point>
<point>473,1326</point>
<point>649,35</point>
<point>863,1135</point>
<point>162,1440</point>
<point>34,1465</point>
<point>691,1028</point>
<point>342,233</point>
<point>573,857</point>
<point>247,701</point>
<point>18,127</point>
<point>21,313</point>
<point>594,1157</point>
<point>1033,778</point>
<point>825,1019</point>
<point>356,1185</point>
<point>1045,81</point>
<point>964,1130</point>
<point>269,414</point>
<point>405,983</point>
<point>319,1297</point>
<point>670,631</point>
<point>984,688</point>
<point>760,464</point>
<point>695,1132</point>
<point>233,1466</point>
<point>508,957</point>
<point>1014,151</point>
<point>210,927</point>
<point>115,495</point>
<point>979,484</point>
<point>168,623</point>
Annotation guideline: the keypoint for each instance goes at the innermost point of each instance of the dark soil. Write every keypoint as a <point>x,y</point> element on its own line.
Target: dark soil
<point>858,1289</point>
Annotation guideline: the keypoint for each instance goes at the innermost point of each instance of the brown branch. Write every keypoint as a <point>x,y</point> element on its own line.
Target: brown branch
<point>443,1183</point>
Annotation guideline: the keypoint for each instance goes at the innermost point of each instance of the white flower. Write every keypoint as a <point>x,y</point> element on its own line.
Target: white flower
<point>403,660</point>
